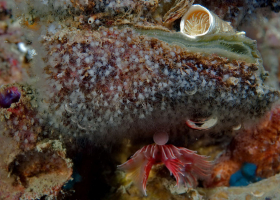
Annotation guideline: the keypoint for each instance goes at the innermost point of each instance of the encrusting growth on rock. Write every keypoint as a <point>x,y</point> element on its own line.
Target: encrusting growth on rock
<point>259,144</point>
<point>100,80</point>
<point>109,71</point>
<point>18,111</point>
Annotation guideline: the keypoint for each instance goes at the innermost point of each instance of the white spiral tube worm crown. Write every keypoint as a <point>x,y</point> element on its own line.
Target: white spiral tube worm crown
<point>199,21</point>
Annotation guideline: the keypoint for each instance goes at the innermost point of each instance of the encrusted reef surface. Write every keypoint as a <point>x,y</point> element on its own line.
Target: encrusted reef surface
<point>266,189</point>
<point>108,75</point>
<point>12,58</point>
<point>258,145</point>
<point>32,174</point>
<point>29,168</point>
<point>162,187</point>
<point>114,80</point>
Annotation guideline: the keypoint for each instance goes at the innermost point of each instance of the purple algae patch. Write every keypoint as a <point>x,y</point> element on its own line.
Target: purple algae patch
<point>8,96</point>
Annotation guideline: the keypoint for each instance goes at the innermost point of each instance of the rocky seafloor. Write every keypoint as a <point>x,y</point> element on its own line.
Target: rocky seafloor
<point>86,84</point>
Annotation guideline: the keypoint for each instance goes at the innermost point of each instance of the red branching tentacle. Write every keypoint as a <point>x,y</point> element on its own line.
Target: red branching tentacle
<point>147,170</point>
<point>174,165</point>
<point>192,165</point>
<point>185,165</point>
<point>139,166</point>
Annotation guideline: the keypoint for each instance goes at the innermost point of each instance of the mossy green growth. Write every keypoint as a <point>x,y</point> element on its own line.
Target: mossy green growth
<point>234,46</point>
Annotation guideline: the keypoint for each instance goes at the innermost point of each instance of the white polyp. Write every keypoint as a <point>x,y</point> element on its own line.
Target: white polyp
<point>184,20</point>
<point>237,127</point>
<point>202,124</point>
<point>91,20</point>
<point>161,138</point>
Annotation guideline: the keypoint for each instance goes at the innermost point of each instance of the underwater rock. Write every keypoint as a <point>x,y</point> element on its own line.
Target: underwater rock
<point>34,173</point>
<point>237,11</point>
<point>257,144</point>
<point>15,53</point>
<point>12,60</point>
<point>28,169</point>
<point>8,150</point>
<point>19,115</point>
<point>264,189</point>
<point>114,80</point>
<point>126,79</point>
<point>114,71</point>
<point>96,13</point>
<point>160,186</point>
<point>263,146</point>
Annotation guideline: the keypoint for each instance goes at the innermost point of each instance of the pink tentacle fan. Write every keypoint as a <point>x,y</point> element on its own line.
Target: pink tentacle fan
<point>184,164</point>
